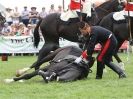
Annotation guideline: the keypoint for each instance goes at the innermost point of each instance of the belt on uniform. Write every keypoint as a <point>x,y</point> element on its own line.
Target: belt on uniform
<point>110,36</point>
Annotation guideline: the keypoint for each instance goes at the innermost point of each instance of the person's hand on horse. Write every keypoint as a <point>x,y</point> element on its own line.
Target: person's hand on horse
<point>83,58</point>
<point>78,60</point>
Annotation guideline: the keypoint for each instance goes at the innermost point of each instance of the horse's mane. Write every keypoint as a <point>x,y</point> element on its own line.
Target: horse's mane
<point>106,8</point>
<point>108,4</point>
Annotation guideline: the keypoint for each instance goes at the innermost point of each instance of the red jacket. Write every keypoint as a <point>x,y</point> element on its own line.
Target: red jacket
<point>129,7</point>
<point>75,4</point>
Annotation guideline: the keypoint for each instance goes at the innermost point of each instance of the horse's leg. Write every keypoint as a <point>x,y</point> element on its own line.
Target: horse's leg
<point>43,52</point>
<point>26,76</point>
<point>120,63</point>
<point>116,56</point>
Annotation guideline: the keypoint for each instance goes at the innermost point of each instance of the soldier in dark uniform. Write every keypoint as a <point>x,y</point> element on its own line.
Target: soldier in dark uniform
<point>94,35</point>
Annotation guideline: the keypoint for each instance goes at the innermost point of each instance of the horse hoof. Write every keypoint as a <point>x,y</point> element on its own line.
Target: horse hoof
<point>18,73</point>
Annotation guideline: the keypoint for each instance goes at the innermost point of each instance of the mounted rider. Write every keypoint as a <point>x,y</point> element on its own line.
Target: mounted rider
<point>127,11</point>
<point>78,8</point>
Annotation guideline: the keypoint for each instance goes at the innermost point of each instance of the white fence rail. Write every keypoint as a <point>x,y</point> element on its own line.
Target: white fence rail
<point>24,44</point>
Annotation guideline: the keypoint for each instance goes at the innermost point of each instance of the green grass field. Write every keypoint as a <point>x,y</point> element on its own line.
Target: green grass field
<point>110,87</point>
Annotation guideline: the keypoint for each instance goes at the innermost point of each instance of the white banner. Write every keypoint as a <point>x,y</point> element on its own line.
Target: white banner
<point>24,44</point>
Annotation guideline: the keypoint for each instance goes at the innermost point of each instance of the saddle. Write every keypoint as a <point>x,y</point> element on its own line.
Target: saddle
<point>70,21</point>
<point>119,17</point>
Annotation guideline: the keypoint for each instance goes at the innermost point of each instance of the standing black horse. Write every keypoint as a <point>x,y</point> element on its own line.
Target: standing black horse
<point>119,28</point>
<point>52,28</point>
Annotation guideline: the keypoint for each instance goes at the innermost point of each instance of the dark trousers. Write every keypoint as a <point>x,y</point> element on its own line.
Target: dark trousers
<point>105,56</point>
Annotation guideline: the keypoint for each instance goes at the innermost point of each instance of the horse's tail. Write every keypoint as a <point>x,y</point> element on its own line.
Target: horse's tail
<point>36,34</point>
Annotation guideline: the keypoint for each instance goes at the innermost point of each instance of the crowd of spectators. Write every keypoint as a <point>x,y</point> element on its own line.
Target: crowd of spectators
<point>23,23</point>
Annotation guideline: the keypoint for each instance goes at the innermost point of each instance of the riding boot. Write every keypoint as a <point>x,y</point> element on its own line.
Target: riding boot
<point>99,73</point>
<point>45,75</point>
<point>116,69</point>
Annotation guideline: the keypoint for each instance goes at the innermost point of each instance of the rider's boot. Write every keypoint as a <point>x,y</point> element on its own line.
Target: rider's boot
<point>117,69</point>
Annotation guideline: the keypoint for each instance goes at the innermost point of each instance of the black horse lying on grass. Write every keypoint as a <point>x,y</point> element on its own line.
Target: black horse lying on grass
<point>61,67</point>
